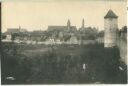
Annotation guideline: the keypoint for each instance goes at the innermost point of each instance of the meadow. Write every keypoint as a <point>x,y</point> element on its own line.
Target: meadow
<point>61,64</point>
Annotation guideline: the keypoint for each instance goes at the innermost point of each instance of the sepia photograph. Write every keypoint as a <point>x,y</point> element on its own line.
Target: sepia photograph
<point>61,42</point>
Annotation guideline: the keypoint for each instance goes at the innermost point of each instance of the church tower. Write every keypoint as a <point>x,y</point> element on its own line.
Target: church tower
<point>20,28</point>
<point>111,27</point>
<point>68,24</point>
<point>82,24</point>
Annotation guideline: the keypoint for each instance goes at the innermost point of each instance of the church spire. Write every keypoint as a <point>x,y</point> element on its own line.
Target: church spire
<point>19,27</point>
<point>68,24</point>
<point>82,24</point>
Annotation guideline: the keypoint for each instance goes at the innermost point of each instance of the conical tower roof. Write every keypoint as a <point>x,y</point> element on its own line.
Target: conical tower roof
<point>111,14</point>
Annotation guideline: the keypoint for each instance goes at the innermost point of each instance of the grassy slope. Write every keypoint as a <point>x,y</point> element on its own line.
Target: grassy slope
<point>41,64</point>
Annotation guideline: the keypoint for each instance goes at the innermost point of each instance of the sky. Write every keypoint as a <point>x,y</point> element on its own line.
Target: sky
<point>38,15</point>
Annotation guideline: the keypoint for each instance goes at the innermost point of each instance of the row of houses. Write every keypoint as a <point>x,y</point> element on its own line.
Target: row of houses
<point>53,35</point>
<point>58,35</point>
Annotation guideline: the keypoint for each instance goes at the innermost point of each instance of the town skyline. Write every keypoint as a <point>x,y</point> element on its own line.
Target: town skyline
<point>64,42</point>
<point>36,16</point>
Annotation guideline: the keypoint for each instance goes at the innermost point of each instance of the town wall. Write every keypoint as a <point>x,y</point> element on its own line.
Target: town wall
<point>122,45</point>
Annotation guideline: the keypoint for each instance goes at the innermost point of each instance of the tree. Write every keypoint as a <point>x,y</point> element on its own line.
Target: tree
<point>3,36</point>
<point>14,35</point>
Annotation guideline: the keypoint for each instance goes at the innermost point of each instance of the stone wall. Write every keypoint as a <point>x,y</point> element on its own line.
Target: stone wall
<point>122,44</point>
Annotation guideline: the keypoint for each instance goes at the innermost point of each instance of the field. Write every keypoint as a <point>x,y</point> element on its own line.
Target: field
<point>61,64</point>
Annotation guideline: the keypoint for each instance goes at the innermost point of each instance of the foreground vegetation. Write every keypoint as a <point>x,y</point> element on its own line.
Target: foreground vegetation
<point>58,64</point>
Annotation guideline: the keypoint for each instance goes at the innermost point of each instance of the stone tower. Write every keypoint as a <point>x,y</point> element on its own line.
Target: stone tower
<point>111,27</point>
<point>68,24</point>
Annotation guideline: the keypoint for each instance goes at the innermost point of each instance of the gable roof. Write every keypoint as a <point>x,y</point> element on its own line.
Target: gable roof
<point>111,14</point>
<point>60,28</point>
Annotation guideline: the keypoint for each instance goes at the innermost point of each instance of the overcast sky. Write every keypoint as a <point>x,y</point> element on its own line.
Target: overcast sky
<point>38,15</point>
